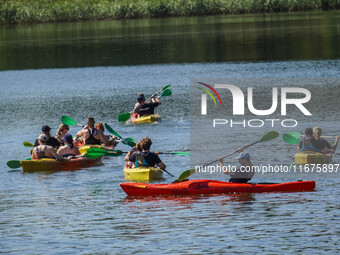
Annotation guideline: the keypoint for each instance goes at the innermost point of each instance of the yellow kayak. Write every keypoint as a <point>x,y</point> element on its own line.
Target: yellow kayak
<point>84,148</point>
<point>311,157</point>
<point>45,164</point>
<point>144,119</point>
<point>143,173</point>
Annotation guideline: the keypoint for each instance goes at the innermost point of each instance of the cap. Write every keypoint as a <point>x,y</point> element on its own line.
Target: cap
<point>42,138</point>
<point>46,128</point>
<point>67,138</point>
<point>140,99</point>
<point>243,155</point>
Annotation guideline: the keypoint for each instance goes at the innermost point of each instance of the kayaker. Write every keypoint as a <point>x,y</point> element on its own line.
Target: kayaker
<point>145,157</point>
<point>146,108</point>
<point>137,103</point>
<point>91,135</point>
<point>45,151</point>
<point>321,144</point>
<point>113,140</point>
<point>62,130</point>
<point>68,149</point>
<point>51,141</point>
<point>308,141</point>
<point>136,148</point>
<point>244,172</point>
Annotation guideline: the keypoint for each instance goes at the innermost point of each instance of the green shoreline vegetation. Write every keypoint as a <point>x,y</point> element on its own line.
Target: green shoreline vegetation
<point>40,11</point>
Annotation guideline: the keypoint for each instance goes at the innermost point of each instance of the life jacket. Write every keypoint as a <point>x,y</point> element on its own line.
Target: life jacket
<point>307,145</point>
<point>140,159</point>
<point>91,140</point>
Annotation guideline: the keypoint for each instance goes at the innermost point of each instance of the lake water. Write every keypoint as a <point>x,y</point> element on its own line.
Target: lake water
<point>86,212</point>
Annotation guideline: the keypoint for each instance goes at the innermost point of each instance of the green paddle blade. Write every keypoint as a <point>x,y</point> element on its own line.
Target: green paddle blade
<point>269,136</point>
<point>13,163</point>
<point>295,134</point>
<point>164,88</point>
<point>166,93</point>
<point>28,144</point>
<point>185,174</point>
<point>124,117</point>
<point>112,131</point>
<point>93,155</point>
<point>68,121</point>
<point>104,152</point>
<point>177,153</point>
<point>290,139</point>
<point>129,142</point>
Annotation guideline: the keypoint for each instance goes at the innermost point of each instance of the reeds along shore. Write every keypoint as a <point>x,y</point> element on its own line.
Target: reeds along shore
<point>39,11</point>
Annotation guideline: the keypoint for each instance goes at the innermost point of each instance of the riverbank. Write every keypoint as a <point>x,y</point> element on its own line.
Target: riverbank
<point>42,11</point>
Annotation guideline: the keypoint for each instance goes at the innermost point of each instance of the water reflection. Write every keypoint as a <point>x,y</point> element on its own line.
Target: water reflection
<point>257,37</point>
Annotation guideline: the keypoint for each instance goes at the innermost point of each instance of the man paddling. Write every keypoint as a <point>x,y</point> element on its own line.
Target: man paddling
<point>321,144</point>
<point>144,108</point>
<point>91,135</point>
<point>244,172</point>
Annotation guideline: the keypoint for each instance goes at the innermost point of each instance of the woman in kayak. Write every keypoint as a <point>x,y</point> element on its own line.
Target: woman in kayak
<point>68,149</point>
<point>307,143</point>
<point>244,172</point>
<point>45,151</point>
<point>145,157</point>
<point>113,140</point>
<point>135,149</point>
<point>62,130</point>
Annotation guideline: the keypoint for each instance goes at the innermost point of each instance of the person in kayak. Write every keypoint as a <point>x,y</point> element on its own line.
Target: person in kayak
<point>113,140</point>
<point>308,141</point>
<point>62,130</point>
<point>45,151</point>
<point>135,149</point>
<point>91,135</point>
<point>145,108</point>
<point>145,157</point>
<point>244,172</point>
<point>140,95</point>
<point>51,141</point>
<point>68,149</point>
<point>321,144</point>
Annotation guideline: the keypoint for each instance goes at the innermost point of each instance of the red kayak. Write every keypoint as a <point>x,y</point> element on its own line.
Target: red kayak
<point>195,187</point>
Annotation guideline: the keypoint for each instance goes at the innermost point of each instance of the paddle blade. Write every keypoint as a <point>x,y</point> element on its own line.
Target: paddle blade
<point>93,155</point>
<point>269,136</point>
<point>290,139</point>
<point>124,117</point>
<point>28,144</point>
<point>113,153</point>
<point>185,174</point>
<point>129,142</point>
<point>164,88</point>
<point>166,93</point>
<point>181,153</point>
<point>13,164</point>
<point>295,134</point>
<point>112,131</point>
<point>68,121</point>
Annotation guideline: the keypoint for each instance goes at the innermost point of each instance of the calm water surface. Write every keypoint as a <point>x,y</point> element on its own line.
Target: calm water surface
<point>86,212</point>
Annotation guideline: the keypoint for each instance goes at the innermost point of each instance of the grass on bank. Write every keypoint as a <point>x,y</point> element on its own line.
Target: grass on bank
<point>36,11</point>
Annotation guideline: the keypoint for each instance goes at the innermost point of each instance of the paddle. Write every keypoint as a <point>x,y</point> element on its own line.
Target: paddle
<point>119,152</point>
<point>104,152</point>
<point>126,115</point>
<point>69,121</point>
<point>290,139</point>
<point>28,144</point>
<point>267,137</point>
<point>13,164</point>
<point>126,142</point>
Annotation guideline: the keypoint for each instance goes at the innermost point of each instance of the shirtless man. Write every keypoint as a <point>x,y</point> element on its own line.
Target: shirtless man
<point>45,151</point>
<point>91,135</point>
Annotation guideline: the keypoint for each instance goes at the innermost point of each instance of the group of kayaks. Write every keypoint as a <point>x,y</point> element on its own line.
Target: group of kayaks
<point>183,187</point>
